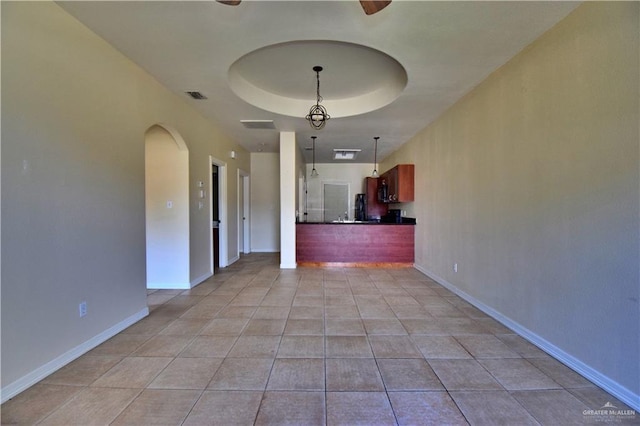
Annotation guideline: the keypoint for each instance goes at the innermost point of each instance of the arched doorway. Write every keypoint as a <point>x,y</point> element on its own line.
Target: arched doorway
<point>166,208</point>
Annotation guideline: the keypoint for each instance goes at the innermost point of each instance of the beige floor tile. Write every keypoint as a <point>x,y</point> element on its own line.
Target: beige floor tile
<point>36,403</point>
<point>306,312</point>
<point>162,345</point>
<point>443,347</point>
<point>170,311</point>
<point>408,375</point>
<point>202,311</point>
<point>187,373</point>
<point>308,301</point>
<point>443,326</point>
<point>120,345</point>
<point>184,327</point>
<point>341,312</point>
<point>353,374</point>
<point>562,374</point>
<point>518,374</point>
<point>492,326</point>
<point>371,300</point>
<point>486,346</point>
<point>132,372</point>
<point>92,406</point>
<point>301,347</point>
<point>209,347</point>
<point>425,408</point>
<point>340,328</point>
<point>242,374</point>
<point>596,398</point>
<point>83,371</point>
<point>410,312</point>
<point>492,408</point>
<point>247,300</point>
<point>150,325</point>
<point>384,326</point>
<point>265,327</point>
<point>553,407</point>
<point>347,347</point>
<point>401,300</point>
<point>224,327</point>
<point>393,347</point>
<point>446,311</point>
<point>344,327</point>
<point>376,312</point>
<point>225,408</point>
<point>359,408</point>
<point>304,327</point>
<point>292,408</point>
<point>277,301</point>
<point>521,346</point>
<point>156,406</point>
<point>463,374</point>
<point>237,312</point>
<point>255,347</point>
<point>271,312</point>
<point>346,300</point>
<point>297,374</point>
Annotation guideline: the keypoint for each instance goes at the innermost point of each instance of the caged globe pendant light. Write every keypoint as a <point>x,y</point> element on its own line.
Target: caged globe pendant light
<point>318,115</point>
<point>314,172</point>
<point>375,158</point>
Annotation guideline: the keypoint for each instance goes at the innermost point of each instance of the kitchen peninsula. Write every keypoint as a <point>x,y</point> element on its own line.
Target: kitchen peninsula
<point>353,244</point>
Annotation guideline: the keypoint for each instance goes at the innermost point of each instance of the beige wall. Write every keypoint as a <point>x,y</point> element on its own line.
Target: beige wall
<point>265,202</point>
<point>74,117</point>
<point>530,185</point>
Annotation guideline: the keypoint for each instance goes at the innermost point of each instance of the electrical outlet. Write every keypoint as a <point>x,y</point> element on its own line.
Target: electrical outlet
<point>455,267</point>
<point>82,309</point>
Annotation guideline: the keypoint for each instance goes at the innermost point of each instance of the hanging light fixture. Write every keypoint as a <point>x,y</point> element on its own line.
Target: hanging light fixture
<point>318,115</point>
<point>375,158</point>
<point>314,172</point>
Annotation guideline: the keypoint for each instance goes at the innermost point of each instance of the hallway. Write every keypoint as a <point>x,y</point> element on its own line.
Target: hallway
<point>259,345</point>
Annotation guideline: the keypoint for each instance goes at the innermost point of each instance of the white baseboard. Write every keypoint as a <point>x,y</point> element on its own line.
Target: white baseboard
<point>40,373</point>
<point>288,265</point>
<point>614,388</point>
<point>201,278</point>
<point>233,260</point>
<point>253,250</point>
<point>169,286</point>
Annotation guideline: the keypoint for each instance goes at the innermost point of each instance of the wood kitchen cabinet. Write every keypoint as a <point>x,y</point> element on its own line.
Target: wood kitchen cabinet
<point>400,183</point>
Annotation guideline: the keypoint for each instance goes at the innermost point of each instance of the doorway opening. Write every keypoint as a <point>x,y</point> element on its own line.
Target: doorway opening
<point>215,216</point>
<point>219,228</point>
<point>166,209</point>
<point>244,209</point>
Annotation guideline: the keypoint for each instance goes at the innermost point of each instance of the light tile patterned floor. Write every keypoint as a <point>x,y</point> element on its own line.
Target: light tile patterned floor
<point>264,346</point>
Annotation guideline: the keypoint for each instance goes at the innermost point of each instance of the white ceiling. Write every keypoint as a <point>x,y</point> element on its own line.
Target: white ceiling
<point>446,49</point>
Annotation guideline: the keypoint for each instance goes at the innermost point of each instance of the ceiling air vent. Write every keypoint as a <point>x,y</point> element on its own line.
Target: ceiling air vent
<point>345,153</point>
<point>258,124</point>
<point>197,95</point>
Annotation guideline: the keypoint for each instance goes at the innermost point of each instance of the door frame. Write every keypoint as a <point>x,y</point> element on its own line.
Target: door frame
<point>222,208</point>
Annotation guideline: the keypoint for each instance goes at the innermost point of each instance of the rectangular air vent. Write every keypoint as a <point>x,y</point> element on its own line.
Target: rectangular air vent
<point>258,124</point>
<point>345,153</point>
<point>196,95</point>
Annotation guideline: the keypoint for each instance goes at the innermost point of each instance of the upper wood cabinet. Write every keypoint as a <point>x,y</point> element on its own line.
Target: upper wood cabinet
<point>400,184</point>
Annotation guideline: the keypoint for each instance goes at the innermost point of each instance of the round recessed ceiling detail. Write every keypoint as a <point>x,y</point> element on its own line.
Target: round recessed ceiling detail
<point>280,78</point>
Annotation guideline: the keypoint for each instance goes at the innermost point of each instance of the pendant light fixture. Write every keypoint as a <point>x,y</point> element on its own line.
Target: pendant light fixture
<point>375,157</point>
<point>314,172</point>
<point>318,115</point>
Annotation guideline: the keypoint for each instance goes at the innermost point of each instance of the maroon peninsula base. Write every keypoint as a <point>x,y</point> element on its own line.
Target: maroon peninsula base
<point>355,244</point>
